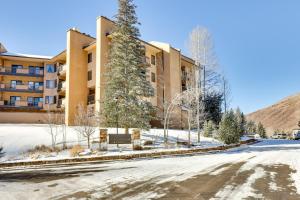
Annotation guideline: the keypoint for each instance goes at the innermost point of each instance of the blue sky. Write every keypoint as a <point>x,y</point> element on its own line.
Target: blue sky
<point>257,42</point>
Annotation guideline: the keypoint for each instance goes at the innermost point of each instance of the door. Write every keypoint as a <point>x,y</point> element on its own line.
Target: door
<point>13,100</point>
<point>36,101</point>
<point>15,67</point>
<point>31,85</point>
<point>31,70</point>
<point>13,84</point>
<point>36,85</point>
<point>30,101</point>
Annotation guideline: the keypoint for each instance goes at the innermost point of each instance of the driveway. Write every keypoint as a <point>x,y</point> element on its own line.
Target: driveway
<point>267,170</point>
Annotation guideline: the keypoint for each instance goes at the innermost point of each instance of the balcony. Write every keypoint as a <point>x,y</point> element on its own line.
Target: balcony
<point>6,87</point>
<point>91,99</point>
<point>61,70</point>
<point>21,72</point>
<point>61,103</point>
<point>20,105</point>
<point>61,87</point>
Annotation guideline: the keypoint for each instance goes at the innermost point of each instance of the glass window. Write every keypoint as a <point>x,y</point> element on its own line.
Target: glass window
<point>90,73</point>
<point>90,57</point>
<point>50,84</point>
<point>152,60</point>
<point>49,100</point>
<point>50,68</point>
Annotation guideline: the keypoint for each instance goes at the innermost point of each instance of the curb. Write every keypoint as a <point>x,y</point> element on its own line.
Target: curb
<point>126,157</point>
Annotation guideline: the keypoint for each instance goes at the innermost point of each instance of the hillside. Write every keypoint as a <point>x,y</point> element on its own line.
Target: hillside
<point>283,115</point>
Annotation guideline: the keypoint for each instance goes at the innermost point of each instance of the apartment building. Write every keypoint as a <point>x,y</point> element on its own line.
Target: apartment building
<point>31,85</point>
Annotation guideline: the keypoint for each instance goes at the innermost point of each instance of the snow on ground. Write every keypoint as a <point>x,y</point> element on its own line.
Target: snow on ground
<point>17,139</point>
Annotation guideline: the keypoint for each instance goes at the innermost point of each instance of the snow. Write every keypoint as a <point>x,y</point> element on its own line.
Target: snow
<point>25,55</point>
<point>17,139</point>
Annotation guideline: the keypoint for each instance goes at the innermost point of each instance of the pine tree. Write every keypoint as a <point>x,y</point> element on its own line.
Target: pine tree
<point>208,128</point>
<point>261,130</point>
<point>228,129</point>
<point>127,85</point>
<point>241,121</point>
<point>251,127</point>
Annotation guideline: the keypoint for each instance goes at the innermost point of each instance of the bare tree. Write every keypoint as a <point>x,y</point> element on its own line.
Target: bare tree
<point>85,122</point>
<point>52,120</point>
<point>201,48</point>
<point>62,128</point>
<point>226,94</point>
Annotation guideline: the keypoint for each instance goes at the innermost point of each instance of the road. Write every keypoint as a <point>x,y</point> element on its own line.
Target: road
<point>267,170</point>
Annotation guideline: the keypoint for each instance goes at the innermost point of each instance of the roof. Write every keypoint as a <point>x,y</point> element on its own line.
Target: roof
<point>25,55</point>
<point>2,48</point>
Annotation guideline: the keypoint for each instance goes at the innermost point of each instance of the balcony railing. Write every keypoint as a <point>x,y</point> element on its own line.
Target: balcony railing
<point>91,99</point>
<point>6,87</point>
<point>61,86</point>
<point>21,72</point>
<point>61,70</point>
<point>22,104</point>
<point>61,103</point>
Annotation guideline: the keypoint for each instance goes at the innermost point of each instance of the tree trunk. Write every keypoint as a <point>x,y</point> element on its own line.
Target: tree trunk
<point>88,140</point>
<point>126,130</point>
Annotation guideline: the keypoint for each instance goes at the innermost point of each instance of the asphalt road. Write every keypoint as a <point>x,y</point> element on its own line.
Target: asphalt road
<point>267,170</point>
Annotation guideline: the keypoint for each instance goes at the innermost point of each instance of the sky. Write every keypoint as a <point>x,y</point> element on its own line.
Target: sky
<point>257,42</point>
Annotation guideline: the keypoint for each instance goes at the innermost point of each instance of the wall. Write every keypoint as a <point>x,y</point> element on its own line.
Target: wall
<point>23,117</point>
<point>76,73</point>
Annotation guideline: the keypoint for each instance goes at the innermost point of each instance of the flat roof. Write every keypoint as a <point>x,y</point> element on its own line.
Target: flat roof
<point>25,55</point>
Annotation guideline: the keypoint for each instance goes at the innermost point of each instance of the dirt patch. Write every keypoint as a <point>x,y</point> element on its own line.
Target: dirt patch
<point>277,184</point>
<point>78,195</point>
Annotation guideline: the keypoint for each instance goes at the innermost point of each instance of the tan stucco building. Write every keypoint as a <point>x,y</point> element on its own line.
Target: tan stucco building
<point>30,85</point>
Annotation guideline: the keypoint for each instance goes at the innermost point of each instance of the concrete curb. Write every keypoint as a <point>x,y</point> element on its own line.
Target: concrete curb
<point>125,157</point>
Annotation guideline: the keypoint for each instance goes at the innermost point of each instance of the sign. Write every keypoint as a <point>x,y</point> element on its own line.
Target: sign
<point>119,138</point>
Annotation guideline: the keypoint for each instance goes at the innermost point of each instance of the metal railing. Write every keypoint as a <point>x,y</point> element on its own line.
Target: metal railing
<point>21,72</point>
<point>20,88</point>
<point>20,104</point>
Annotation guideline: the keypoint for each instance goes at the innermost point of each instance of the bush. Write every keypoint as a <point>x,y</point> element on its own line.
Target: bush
<point>208,129</point>
<point>148,142</point>
<point>229,131</point>
<point>43,149</point>
<point>137,148</point>
<point>76,150</point>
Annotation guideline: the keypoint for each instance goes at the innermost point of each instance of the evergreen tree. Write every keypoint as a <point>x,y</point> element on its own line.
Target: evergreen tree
<point>241,121</point>
<point>127,85</point>
<point>1,152</point>
<point>261,130</point>
<point>208,128</point>
<point>228,129</point>
<point>251,127</point>
<point>213,107</point>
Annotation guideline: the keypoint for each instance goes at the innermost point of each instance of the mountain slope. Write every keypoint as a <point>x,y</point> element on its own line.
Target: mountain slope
<point>283,115</point>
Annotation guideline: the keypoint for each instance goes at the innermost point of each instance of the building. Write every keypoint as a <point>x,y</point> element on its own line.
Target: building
<point>31,85</point>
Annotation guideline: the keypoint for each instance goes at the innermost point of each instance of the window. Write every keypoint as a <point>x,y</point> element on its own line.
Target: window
<point>49,100</point>
<point>50,84</point>
<point>90,57</point>
<point>152,60</point>
<point>50,68</point>
<point>152,77</point>
<point>90,73</point>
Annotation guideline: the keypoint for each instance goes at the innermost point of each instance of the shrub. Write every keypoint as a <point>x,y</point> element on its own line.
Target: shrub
<point>76,150</point>
<point>43,149</point>
<point>229,131</point>
<point>208,129</point>
<point>148,142</point>
<point>137,147</point>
